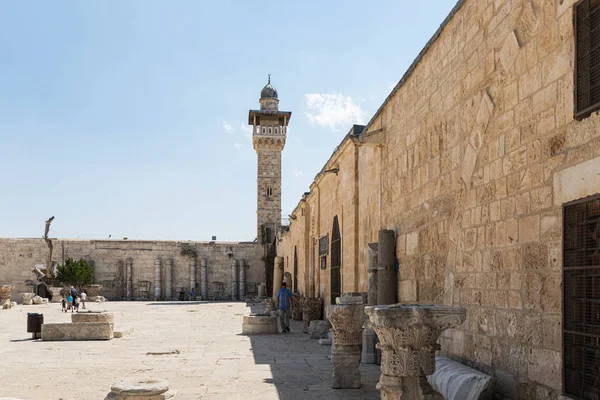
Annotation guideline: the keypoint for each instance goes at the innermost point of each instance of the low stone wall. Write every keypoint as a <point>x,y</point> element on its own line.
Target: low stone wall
<point>256,324</point>
<point>77,331</point>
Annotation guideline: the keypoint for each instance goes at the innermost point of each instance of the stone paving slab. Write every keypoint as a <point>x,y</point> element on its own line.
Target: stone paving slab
<point>196,346</point>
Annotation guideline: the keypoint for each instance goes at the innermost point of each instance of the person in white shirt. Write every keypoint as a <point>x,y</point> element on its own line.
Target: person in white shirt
<point>83,299</point>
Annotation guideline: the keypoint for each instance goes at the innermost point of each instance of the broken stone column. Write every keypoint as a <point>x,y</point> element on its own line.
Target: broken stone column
<point>234,280</point>
<point>192,273</point>
<point>203,279</point>
<point>129,279</point>
<point>277,275</point>
<point>408,340</point>
<point>27,298</point>
<point>311,311</point>
<point>242,288</point>
<point>347,317</point>
<point>141,389</point>
<point>157,282</point>
<point>262,290</point>
<point>386,262</point>
<point>369,340</point>
<point>5,293</point>
<point>169,280</point>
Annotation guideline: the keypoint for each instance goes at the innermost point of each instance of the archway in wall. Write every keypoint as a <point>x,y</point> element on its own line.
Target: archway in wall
<point>336,261</point>
<point>295,281</point>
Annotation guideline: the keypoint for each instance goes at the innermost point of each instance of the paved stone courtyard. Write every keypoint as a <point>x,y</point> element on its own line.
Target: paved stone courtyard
<point>196,346</point>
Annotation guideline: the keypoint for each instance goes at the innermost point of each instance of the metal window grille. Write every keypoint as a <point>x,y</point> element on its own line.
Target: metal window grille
<point>581,299</point>
<point>586,21</point>
<point>336,261</point>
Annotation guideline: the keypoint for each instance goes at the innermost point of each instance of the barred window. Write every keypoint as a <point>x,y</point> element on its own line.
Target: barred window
<point>587,57</point>
<point>581,299</point>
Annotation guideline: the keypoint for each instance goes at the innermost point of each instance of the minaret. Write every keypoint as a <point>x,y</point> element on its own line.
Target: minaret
<point>269,128</point>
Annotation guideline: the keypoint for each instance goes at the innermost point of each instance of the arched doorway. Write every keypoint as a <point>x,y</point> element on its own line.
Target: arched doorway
<point>336,261</point>
<point>295,281</point>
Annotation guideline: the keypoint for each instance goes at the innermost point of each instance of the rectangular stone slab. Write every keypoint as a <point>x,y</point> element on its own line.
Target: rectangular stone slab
<point>77,331</point>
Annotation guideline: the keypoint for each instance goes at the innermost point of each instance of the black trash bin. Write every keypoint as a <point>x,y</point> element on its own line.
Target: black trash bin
<point>34,324</point>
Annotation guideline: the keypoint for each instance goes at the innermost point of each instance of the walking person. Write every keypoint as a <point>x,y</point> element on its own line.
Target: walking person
<point>284,298</point>
<point>76,304</point>
<point>69,302</point>
<point>193,294</point>
<point>83,299</point>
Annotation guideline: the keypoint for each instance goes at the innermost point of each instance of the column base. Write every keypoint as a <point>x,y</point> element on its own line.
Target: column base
<point>346,368</point>
<point>406,388</point>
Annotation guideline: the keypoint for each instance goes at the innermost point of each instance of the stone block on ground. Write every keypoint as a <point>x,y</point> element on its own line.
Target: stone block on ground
<point>319,329</point>
<point>77,331</point>
<point>259,324</point>
<point>27,298</point>
<point>89,316</point>
<point>37,300</point>
<point>121,332</point>
<point>456,381</point>
<point>7,305</point>
<point>141,389</point>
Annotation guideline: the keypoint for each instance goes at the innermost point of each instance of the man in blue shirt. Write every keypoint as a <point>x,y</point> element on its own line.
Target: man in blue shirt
<point>284,298</point>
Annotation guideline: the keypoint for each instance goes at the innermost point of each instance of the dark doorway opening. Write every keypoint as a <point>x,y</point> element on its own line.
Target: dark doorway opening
<point>336,261</point>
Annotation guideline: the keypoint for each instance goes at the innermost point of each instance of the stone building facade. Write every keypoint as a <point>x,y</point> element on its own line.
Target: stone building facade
<point>110,258</point>
<point>475,160</point>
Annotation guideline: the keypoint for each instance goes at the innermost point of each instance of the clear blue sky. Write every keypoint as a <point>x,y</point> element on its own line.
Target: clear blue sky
<point>127,118</point>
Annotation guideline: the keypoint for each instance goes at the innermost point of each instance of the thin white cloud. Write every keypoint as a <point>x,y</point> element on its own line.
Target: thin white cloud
<point>247,129</point>
<point>333,110</point>
<point>239,146</point>
<point>298,173</point>
<point>228,128</point>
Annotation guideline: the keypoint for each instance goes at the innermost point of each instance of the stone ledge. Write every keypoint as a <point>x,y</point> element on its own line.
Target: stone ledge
<point>77,331</point>
<point>257,324</point>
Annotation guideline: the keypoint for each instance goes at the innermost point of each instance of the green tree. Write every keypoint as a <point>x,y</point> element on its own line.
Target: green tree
<point>75,273</point>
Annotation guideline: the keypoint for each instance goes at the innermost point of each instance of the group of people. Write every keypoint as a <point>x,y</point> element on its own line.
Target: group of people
<point>72,300</point>
<point>192,294</point>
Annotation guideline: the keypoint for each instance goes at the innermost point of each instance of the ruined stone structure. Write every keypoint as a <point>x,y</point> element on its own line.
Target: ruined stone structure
<point>470,161</point>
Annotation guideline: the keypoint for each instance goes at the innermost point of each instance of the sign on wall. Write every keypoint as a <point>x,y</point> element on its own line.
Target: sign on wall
<point>324,245</point>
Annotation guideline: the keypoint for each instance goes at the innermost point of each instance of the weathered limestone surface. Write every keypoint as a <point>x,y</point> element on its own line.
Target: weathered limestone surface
<point>347,318</point>
<point>456,381</point>
<point>77,331</point>
<point>319,329</point>
<point>5,293</point>
<point>56,296</point>
<point>277,275</point>
<point>311,310</point>
<point>257,324</point>
<point>26,298</point>
<point>386,261</point>
<point>141,389</point>
<point>93,317</point>
<point>408,340</point>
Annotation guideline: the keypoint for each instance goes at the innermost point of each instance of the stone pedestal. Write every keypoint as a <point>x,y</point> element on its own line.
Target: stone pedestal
<point>93,292</point>
<point>408,336</point>
<point>311,310</point>
<point>262,290</point>
<point>346,317</point>
<point>5,293</point>
<point>55,292</point>
<point>297,306</point>
<point>27,298</point>
<point>141,389</point>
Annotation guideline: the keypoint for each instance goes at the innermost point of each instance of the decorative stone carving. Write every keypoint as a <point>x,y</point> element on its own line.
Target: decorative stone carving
<point>319,329</point>
<point>142,389</point>
<point>408,337</point>
<point>269,305</point>
<point>27,298</point>
<point>311,310</point>
<point>5,293</point>
<point>347,318</point>
<point>93,292</point>
<point>38,300</point>
<point>296,309</point>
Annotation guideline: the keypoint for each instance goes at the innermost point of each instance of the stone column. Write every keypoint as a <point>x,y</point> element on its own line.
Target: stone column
<point>157,282</point>
<point>311,311</point>
<point>203,279</point>
<point>262,290</point>
<point>234,280</point>
<point>140,388</point>
<point>369,352</point>
<point>386,273</point>
<point>347,318</point>
<point>243,267</point>
<point>129,279</point>
<point>408,340</point>
<point>277,275</point>
<point>169,280</point>
<point>192,273</point>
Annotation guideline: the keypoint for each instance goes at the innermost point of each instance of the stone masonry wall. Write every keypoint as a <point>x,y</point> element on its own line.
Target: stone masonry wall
<point>480,153</point>
<point>18,257</point>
